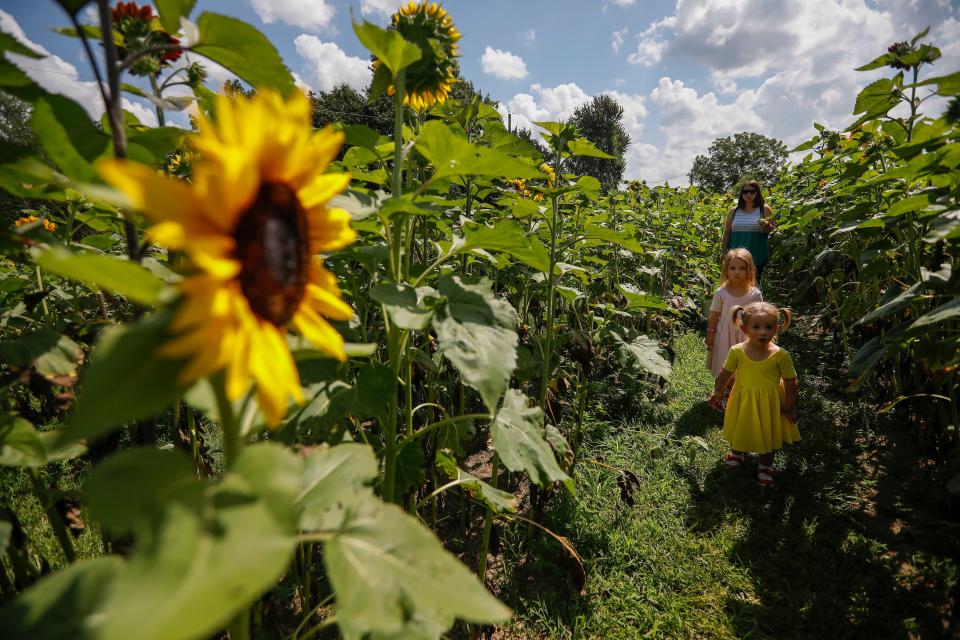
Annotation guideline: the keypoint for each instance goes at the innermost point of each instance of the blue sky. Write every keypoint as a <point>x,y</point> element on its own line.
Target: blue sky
<point>685,71</point>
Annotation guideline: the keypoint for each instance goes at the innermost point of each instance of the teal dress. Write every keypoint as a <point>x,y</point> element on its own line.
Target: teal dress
<point>746,232</point>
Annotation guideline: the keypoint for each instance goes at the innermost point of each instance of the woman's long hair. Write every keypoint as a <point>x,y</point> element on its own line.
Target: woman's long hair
<point>758,201</point>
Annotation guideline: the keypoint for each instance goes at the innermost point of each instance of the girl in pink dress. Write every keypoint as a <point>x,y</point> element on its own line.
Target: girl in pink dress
<point>738,287</point>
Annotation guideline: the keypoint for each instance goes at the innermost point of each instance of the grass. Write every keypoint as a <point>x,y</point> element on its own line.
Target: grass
<point>706,553</point>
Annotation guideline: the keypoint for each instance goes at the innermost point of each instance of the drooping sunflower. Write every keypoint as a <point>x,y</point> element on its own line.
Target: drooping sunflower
<point>252,222</point>
<point>429,79</point>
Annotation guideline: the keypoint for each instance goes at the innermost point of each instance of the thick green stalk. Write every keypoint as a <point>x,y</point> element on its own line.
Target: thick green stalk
<point>394,333</point>
<point>551,285</point>
<point>488,521</point>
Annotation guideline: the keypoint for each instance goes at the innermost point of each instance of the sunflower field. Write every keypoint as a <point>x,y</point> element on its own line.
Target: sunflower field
<point>276,381</point>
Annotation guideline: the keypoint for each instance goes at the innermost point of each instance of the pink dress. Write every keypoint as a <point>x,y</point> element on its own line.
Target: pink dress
<point>727,333</point>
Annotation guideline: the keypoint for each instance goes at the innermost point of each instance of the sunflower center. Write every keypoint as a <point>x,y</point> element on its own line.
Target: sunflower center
<point>273,247</point>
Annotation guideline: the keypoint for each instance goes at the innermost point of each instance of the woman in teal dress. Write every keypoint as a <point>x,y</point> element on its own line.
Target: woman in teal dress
<point>749,224</point>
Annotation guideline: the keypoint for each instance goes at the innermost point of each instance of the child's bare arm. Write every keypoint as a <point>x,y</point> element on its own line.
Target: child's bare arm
<point>723,380</point>
<point>789,406</point>
<point>712,321</point>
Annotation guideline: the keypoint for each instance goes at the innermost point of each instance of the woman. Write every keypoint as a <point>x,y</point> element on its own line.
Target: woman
<point>748,225</point>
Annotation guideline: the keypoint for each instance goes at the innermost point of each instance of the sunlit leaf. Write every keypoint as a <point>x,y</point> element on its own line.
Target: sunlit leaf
<point>520,440</point>
<point>99,271</point>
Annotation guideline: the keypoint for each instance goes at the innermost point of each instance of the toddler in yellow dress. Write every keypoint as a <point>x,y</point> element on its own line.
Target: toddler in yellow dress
<point>761,412</point>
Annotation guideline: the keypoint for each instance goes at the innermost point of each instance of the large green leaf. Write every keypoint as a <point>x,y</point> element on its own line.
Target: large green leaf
<point>622,238</point>
<point>892,303</point>
<point>126,379</point>
<point>201,564</point>
<point>637,299</point>
<point>520,440</point>
<point>498,500</point>
<point>476,332</point>
<point>646,353</point>
<point>510,238</point>
<point>21,445</point>
<point>68,136</point>
<point>162,477</point>
<point>334,479</point>
<point>11,44</point>
<point>62,606</point>
<point>100,271</point>
<point>391,48</point>
<point>170,11</point>
<point>242,49</point>
<point>943,312</point>
<point>404,304</point>
<point>877,98</point>
<point>583,147</point>
<point>451,154</point>
<point>393,578</point>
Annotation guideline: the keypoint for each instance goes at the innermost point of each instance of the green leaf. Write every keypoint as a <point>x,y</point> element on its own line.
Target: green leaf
<point>170,11</point>
<point>391,48</point>
<point>509,237</point>
<point>451,154</point>
<point>203,563</point>
<point>476,332</point>
<point>59,606</point>
<point>945,225</point>
<point>646,353</point>
<point>73,7</point>
<point>23,446</point>
<point>162,478</point>
<point>334,480</point>
<point>159,141</point>
<point>877,98</point>
<point>404,304</point>
<point>11,44</point>
<point>583,147</point>
<point>20,444</point>
<point>622,238</point>
<point>242,49</point>
<point>943,312</point>
<point>637,299</point>
<point>497,500</point>
<point>589,186</point>
<point>68,136</point>
<point>99,271</point>
<point>893,303</point>
<point>126,379</point>
<point>520,440</point>
<point>59,364</point>
<point>393,578</point>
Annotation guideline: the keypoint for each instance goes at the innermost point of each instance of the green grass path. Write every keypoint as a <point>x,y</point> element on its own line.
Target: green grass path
<point>706,553</point>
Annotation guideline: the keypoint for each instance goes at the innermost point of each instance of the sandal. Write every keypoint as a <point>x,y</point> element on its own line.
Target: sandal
<point>766,476</point>
<point>733,460</point>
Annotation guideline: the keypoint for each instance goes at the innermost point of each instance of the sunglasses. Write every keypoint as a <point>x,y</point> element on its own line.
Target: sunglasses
<point>745,191</point>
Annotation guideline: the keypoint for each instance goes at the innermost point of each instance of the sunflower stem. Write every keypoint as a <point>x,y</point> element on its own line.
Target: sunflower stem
<point>394,333</point>
<point>232,440</point>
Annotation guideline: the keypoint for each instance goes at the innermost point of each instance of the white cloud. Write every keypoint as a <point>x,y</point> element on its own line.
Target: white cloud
<point>617,38</point>
<point>312,15</point>
<point>328,66</point>
<point>623,3</point>
<point>503,64</point>
<point>529,36</point>
<point>651,44</point>
<point>381,7</point>
<point>543,103</point>
<point>56,75</point>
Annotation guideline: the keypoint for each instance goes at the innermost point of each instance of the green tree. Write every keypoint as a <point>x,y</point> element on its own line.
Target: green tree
<point>599,121</point>
<point>744,156</point>
<point>345,104</point>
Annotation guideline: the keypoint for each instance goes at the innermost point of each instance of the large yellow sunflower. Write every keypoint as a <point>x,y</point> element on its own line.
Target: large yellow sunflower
<point>428,80</point>
<point>252,223</point>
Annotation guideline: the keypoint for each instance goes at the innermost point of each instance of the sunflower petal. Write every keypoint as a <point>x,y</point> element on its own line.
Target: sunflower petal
<point>323,187</point>
<point>319,332</point>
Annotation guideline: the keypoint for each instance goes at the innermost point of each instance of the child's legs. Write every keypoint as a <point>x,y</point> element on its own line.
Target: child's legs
<point>766,459</point>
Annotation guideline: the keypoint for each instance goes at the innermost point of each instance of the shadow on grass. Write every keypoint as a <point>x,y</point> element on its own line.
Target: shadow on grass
<point>815,549</point>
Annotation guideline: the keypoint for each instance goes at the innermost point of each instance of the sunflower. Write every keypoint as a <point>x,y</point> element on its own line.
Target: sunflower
<point>251,222</point>
<point>49,226</point>
<point>551,174</point>
<point>429,79</point>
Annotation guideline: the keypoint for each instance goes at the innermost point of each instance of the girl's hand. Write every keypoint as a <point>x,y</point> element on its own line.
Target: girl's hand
<point>715,400</point>
<point>709,340</point>
<point>767,224</point>
<point>789,414</point>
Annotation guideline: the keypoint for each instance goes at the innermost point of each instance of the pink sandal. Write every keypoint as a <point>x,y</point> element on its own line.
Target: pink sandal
<point>733,460</point>
<point>766,476</point>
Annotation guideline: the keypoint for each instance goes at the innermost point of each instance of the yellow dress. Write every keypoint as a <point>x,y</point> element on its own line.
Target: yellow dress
<point>752,420</point>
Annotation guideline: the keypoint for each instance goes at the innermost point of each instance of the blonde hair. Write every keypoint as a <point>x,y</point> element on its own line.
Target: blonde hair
<point>747,257</point>
<point>742,315</point>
